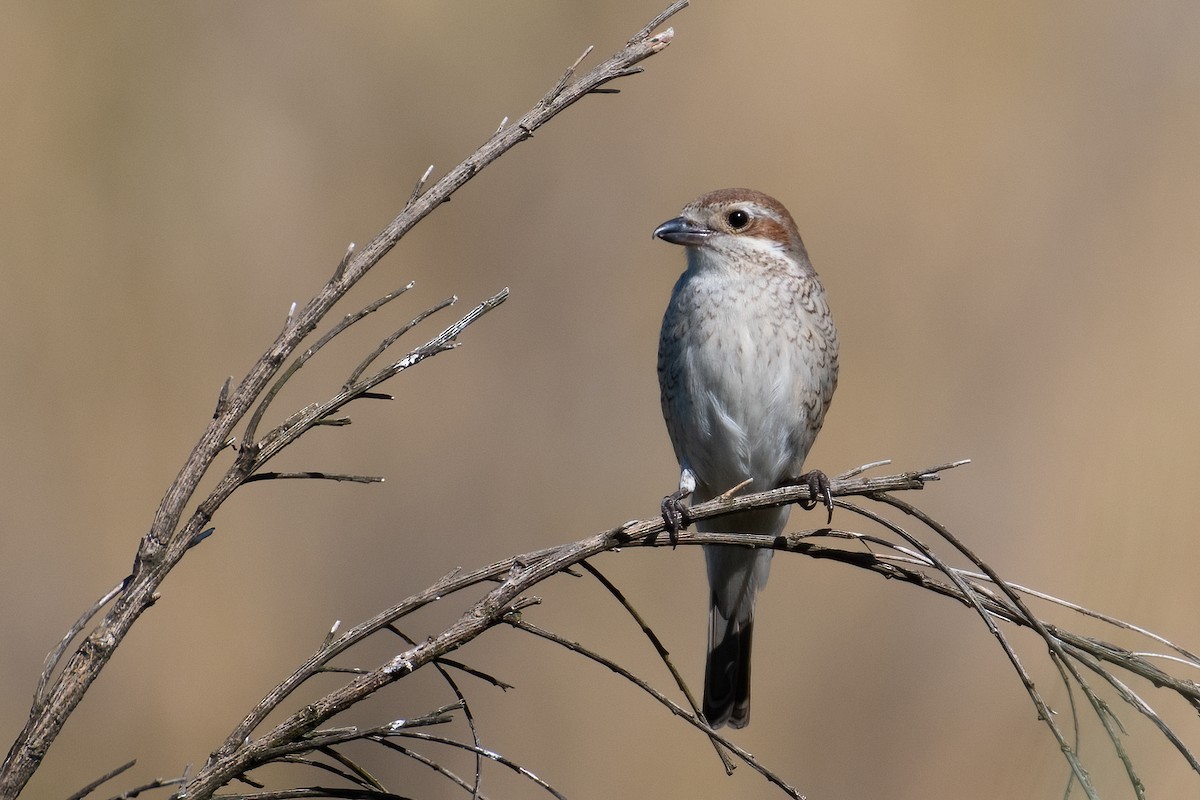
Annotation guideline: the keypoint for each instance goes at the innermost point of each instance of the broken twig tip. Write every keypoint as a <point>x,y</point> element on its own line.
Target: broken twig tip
<point>341,267</point>
<point>931,474</point>
<point>584,55</point>
<point>416,192</point>
<point>729,494</point>
<point>853,473</point>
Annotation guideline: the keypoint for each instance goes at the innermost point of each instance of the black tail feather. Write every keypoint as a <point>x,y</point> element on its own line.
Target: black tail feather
<point>727,675</point>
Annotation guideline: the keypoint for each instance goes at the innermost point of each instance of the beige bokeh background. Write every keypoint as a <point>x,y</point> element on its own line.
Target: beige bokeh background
<point>1003,201</point>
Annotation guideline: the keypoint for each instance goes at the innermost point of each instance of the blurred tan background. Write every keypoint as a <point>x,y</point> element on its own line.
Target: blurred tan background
<point>1002,199</point>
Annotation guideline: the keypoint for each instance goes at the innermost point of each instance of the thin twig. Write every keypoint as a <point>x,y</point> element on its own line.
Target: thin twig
<point>483,676</point>
<point>304,420</point>
<point>360,775</point>
<point>345,774</point>
<point>466,707</point>
<point>252,427</point>
<point>663,654</point>
<point>1130,697</point>
<point>1188,657</point>
<point>488,754</point>
<point>1044,711</point>
<point>1039,627</point>
<point>341,267</point>
<point>653,24</point>
<point>391,339</point>
<point>223,398</point>
<point>416,192</point>
<point>157,783</point>
<point>324,476</point>
<point>105,778</point>
<point>56,654</point>
<point>420,758</point>
<point>315,792</point>
<point>676,709</point>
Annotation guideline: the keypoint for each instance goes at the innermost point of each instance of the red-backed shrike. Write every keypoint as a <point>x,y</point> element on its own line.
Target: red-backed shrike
<point>747,363</point>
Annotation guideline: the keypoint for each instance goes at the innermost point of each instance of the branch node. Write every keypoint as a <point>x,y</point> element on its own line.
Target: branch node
<point>223,398</point>
<point>667,13</point>
<point>416,192</point>
<point>883,462</point>
<point>341,267</point>
<point>337,623</point>
<point>659,41</point>
<point>931,474</point>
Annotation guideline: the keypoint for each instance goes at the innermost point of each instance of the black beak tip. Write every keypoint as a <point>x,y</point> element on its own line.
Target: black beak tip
<point>668,228</point>
<point>680,231</point>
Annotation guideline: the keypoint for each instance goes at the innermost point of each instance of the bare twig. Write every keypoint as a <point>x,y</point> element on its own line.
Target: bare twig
<point>485,753</point>
<point>421,758</point>
<point>694,719</point>
<point>416,192</point>
<point>137,791</point>
<point>57,653</point>
<point>303,358</point>
<point>307,418</point>
<point>347,774</point>
<point>659,648</point>
<point>1045,714</point>
<point>105,778</point>
<point>341,267</point>
<point>390,340</point>
<point>440,665</point>
<point>323,476</point>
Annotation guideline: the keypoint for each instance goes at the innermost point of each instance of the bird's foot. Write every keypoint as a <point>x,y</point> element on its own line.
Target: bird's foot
<point>675,515</point>
<point>818,490</point>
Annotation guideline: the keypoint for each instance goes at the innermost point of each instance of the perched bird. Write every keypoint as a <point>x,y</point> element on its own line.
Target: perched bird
<point>747,364</point>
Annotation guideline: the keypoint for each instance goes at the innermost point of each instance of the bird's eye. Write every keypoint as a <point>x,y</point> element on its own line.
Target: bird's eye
<point>738,219</point>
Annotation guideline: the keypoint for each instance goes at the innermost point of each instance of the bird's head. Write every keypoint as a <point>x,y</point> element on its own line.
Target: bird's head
<point>735,222</point>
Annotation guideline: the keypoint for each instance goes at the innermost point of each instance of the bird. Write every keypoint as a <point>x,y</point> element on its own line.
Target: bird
<point>747,366</point>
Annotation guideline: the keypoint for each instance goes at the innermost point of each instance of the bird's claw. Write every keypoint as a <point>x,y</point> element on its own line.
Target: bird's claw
<point>675,515</point>
<point>818,490</point>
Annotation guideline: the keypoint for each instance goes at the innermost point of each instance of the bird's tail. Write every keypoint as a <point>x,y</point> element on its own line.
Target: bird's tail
<point>727,671</point>
<point>735,576</point>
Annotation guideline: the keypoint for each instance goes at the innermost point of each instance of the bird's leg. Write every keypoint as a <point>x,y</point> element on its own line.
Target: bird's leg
<point>674,512</point>
<point>818,490</point>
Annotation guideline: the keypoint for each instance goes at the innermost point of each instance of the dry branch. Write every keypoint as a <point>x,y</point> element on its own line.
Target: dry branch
<point>902,556</point>
<point>174,531</point>
<point>247,747</point>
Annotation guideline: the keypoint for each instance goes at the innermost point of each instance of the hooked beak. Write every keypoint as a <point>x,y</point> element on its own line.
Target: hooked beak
<point>682,231</point>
